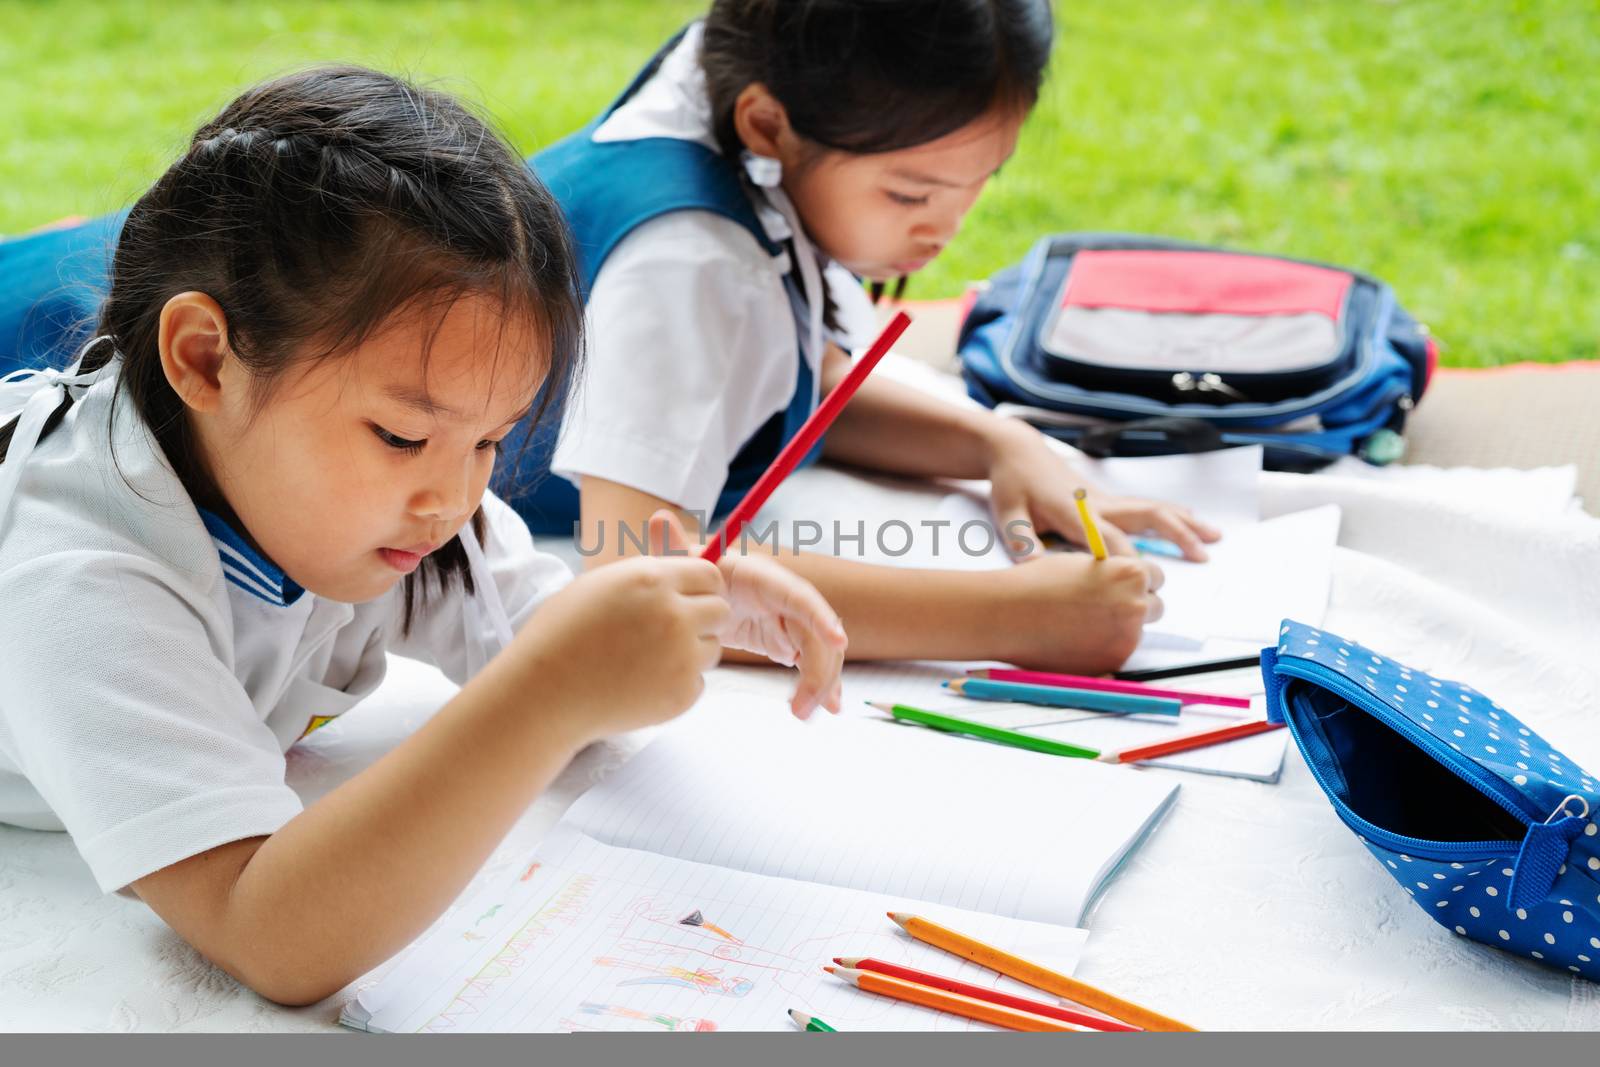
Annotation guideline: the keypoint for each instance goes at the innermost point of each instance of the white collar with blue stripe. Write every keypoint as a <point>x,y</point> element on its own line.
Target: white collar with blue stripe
<point>248,569</point>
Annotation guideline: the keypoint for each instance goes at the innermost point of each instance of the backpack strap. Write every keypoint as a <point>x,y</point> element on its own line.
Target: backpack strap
<point>643,179</point>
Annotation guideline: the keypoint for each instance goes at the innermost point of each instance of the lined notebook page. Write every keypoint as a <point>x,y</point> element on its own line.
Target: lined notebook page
<point>590,937</point>
<point>876,805</point>
<point>919,683</point>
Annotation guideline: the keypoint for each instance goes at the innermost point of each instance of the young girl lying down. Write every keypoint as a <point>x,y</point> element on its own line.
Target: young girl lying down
<point>267,471</point>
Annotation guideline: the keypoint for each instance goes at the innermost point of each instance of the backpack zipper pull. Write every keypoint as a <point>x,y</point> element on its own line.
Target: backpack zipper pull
<point>1184,382</point>
<point>1213,383</point>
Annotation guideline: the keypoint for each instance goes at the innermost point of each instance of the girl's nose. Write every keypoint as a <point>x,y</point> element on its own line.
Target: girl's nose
<point>940,229</point>
<point>445,498</point>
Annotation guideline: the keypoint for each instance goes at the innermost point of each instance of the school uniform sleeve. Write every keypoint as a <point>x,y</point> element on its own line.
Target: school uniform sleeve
<point>691,347</point>
<point>116,705</point>
<point>442,632</point>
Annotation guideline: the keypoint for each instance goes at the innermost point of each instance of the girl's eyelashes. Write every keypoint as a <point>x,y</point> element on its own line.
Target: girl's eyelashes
<point>410,447</point>
<point>396,441</point>
<point>906,201</point>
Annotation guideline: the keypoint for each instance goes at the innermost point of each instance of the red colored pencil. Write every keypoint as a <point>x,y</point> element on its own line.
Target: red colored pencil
<point>1202,739</point>
<point>810,432</point>
<point>978,992</point>
<point>1108,685</point>
<point>983,1011</point>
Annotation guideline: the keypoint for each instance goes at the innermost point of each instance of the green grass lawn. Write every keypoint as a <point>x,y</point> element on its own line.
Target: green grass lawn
<point>1449,147</point>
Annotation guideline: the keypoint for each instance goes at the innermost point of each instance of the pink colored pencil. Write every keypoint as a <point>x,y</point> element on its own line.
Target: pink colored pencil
<point>810,432</point>
<point>1108,685</point>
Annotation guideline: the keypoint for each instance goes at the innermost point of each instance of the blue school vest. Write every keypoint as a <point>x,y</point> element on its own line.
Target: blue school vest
<point>51,287</point>
<point>606,190</point>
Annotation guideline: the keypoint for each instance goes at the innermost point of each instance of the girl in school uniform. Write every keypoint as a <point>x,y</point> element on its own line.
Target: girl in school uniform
<point>268,470</point>
<point>725,209</point>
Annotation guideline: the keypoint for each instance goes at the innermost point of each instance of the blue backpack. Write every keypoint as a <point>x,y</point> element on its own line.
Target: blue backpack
<point>1129,345</point>
<point>1489,829</point>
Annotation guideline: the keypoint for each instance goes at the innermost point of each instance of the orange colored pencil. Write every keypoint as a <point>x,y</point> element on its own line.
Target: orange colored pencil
<point>967,1007</point>
<point>1200,739</point>
<point>1022,970</point>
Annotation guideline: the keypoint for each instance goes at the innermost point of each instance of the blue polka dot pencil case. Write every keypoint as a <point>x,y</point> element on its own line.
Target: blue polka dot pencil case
<point>1489,828</point>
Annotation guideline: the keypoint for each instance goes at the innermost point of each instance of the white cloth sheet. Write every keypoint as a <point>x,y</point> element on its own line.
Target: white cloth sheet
<point>1251,906</point>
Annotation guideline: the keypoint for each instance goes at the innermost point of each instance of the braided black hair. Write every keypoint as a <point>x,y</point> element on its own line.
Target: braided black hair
<point>311,209</point>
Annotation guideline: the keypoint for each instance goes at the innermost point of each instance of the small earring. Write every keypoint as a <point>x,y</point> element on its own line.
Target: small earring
<point>765,171</point>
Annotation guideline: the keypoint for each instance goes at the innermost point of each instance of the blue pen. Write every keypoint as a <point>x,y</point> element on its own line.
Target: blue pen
<point>1156,546</point>
<point>1060,697</point>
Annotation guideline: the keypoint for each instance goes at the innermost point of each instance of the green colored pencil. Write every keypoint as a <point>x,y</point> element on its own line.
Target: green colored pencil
<point>810,1023</point>
<point>987,732</point>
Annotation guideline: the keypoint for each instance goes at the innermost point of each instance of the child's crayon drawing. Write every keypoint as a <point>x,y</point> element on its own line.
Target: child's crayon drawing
<point>670,1022</point>
<point>562,908</point>
<point>696,918</point>
<point>593,953</point>
<point>701,979</point>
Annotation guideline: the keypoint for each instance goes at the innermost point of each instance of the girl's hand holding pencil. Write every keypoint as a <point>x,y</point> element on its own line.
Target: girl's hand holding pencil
<point>623,646</point>
<point>1032,483</point>
<point>773,612</point>
<point>635,638</point>
<point>1069,612</point>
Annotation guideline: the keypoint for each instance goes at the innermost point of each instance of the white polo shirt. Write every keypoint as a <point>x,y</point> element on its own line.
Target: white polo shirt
<point>694,337</point>
<point>154,668</point>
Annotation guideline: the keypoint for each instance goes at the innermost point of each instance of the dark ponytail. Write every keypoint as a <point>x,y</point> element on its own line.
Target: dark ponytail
<point>867,76</point>
<point>314,207</point>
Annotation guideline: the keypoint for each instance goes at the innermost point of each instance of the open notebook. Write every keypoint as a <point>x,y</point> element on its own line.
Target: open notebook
<point>705,884</point>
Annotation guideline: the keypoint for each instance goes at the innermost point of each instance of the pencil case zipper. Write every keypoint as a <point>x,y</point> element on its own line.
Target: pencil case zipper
<point>1465,769</point>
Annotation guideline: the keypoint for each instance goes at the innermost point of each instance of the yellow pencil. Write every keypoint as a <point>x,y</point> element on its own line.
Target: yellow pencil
<point>1097,544</point>
<point>1031,973</point>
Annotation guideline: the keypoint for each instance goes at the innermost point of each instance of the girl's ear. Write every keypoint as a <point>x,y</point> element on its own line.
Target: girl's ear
<point>762,123</point>
<point>193,339</point>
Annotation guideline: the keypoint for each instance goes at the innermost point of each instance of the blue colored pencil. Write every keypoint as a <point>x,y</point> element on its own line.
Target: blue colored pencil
<point>1059,697</point>
<point>1156,546</point>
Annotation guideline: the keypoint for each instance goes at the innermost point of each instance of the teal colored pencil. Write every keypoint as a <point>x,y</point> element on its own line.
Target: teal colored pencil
<point>1060,697</point>
<point>1155,546</point>
<point>998,734</point>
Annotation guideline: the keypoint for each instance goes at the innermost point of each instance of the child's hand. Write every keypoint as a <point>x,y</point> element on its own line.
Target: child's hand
<point>1032,482</point>
<point>774,613</point>
<point>1068,612</point>
<point>626,645</point>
